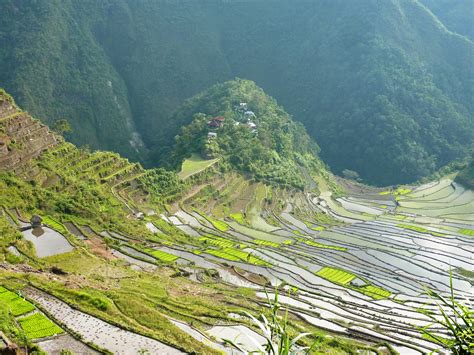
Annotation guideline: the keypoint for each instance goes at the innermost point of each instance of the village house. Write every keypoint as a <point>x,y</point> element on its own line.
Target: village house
<point>36,221</point>
<point>249,115</point>
<point>211,135</point>
<point>216,122</point>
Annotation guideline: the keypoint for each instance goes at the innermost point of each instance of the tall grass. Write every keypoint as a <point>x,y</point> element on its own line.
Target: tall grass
<point>457,320</point>
<point>275,329</point>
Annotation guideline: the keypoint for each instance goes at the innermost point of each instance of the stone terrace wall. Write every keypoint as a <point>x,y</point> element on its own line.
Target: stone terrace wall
<point>22,138</point>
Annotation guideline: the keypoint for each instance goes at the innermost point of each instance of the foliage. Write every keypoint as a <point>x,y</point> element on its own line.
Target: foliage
<point>394,105</point>
<point>38,325</point>
<point>15,304</point>
<point>466,176</point>
<point>61,126</point>
<point>336,275</point>
<point>457,320</point>
<point>276,154</point>
<point>278,339</point>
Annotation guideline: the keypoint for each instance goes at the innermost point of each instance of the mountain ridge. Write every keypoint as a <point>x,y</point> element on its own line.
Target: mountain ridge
<point>135,65</point>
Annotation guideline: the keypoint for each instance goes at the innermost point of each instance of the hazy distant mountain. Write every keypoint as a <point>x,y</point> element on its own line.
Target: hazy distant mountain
<point>382,85</point>
<point>456,15</point>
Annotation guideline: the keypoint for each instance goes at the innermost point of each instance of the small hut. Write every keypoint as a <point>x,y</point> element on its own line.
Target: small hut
<point>36,221</point>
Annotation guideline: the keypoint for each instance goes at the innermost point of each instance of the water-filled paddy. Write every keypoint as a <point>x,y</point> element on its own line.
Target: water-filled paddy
<point>47,242</point>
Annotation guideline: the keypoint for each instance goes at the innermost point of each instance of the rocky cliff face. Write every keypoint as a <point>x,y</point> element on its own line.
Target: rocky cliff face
<point>22,138</point>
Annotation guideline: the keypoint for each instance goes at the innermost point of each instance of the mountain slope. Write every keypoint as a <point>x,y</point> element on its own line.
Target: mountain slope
<point>455,14</point>
<point>383,86</point>
<point>114,268</point>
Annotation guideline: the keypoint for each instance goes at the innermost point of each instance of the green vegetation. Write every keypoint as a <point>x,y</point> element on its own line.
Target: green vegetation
<point>217,241</point>
<point>421,230</point>
<point>319,245</point>
<point>275,153</point>
<point>238,217</point>
<point>194,165</point>
<point>38,326</point>
<point>237,255</point>
<point>279,339</point>
<point>14,303</point>
<point>336,275</point>
<point>457,320</point>
<point>375,292</point>
<point>219,225</point>
<point>161,255</point>
<point>59,227</point>
<point>266,243</point>
<point>467,232</point>
<point>466,175</point>
<point>413,72</point>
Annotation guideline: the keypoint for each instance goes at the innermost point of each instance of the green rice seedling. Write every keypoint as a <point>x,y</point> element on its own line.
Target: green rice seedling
<point>161,255</point>
<point>38,326</point>
<point>16,305</point>
<point>216,241</point>
<point>469,232</point>
<point>238,217</point>
<point>375,292</point>
<point>420,230</point>
<point>266,243</point>
<point>237,255</point>
<point>319,245</point>
<point>336,275</point>
<point>219,225</point>
<point>57,226</point>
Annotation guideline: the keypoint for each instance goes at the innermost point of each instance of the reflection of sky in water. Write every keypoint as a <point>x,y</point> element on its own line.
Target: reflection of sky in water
<point>47,242</point>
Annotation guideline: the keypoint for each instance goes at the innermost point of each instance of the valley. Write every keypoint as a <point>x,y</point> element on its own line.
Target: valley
<point>99,254</point>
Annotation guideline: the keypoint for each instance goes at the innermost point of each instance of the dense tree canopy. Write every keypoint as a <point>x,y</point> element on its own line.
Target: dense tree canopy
<point>384,86</point>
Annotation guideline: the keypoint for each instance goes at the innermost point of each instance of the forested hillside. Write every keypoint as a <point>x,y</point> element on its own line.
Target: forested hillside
<point>456,15</point>
<point>260,140</point>
<point>383,86</point>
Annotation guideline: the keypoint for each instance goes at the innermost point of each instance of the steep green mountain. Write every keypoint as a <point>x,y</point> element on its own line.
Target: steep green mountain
<point>383,86</point>
<point>260,140</point>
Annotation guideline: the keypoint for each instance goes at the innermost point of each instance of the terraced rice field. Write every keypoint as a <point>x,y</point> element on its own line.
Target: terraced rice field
<point>236,255</point>
<point>469,232</point>
<point>375,292</point>
<point>362,274</point>
<point>266,243</point>
<point>38,326</point>
<point>319,245</point>
<point>218,242</point>
<point>16,304</point>
<point>336,275</point>
<point>161,255</point>
<point>57,226</point>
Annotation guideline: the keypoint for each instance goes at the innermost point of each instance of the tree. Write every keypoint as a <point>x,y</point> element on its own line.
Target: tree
<point>61,126</point>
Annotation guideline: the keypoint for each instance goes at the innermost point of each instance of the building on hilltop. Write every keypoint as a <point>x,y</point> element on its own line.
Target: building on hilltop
<point>216,122</point>
<point>249,115</point>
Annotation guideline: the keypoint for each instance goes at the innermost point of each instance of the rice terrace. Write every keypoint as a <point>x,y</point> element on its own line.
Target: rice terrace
<point>156,200</point>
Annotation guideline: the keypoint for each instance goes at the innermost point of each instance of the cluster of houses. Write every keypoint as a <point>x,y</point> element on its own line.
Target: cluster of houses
<point>246,117</point>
